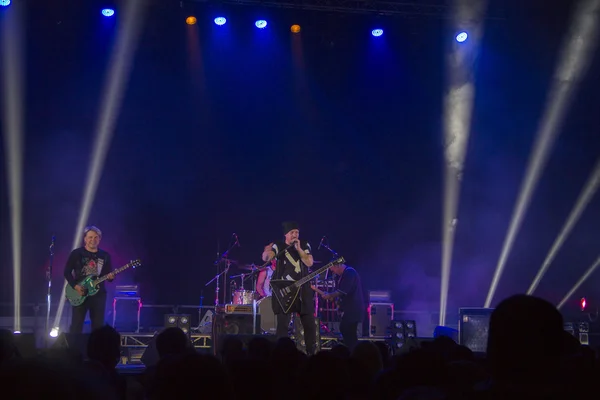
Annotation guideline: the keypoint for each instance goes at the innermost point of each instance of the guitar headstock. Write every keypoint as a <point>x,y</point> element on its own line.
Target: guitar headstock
<point>135,263</point>
<point>339,260</point>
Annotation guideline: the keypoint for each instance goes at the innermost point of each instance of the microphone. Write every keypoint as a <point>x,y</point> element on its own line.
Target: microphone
<point>237,240</point>
<point>321,242</point>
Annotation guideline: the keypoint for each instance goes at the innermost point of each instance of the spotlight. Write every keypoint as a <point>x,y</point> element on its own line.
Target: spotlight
<point>108,12</point>
<point>17,332</point>
<point>377,32</point>
<point>4,3</point>
<point>191,20</point>
<point>261,24</point>
<point>295,28</point>
<point>461,37</point>
<point>54,332</point>
<point>583,304</point>
<point>220,21</point>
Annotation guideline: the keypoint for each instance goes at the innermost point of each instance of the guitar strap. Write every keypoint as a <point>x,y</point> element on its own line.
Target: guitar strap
<point>295,263</point>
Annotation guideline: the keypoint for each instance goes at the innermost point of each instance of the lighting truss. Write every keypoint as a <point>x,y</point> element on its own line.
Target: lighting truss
<point>404,8</point>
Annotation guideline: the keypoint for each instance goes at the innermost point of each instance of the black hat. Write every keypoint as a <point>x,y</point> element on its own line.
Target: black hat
<point>289,226</point>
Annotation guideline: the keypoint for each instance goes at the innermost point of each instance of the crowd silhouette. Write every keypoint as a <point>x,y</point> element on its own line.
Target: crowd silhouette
<point>529,356</point>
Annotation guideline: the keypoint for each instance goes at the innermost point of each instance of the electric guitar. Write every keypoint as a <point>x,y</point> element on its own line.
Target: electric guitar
<point>90,284</point>
<point>286,292</point>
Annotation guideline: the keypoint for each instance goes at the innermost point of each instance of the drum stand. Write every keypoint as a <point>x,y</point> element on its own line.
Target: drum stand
<point>222,259</point>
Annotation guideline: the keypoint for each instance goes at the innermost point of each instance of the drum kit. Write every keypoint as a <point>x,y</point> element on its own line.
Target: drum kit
<point>243,293</point>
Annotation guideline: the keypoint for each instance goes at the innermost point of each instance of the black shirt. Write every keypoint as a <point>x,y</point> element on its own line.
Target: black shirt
<point>82,263</point>
<point>351,299</point>
<point>289,264</point>
<point>290,267</point>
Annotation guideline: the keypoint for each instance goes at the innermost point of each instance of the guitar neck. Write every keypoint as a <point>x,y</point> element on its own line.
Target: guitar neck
<point>310,276</point>
<point>115,272</point>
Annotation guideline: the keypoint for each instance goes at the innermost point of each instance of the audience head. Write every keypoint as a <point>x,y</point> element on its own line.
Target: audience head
<point>104,346</point>
<point>525,337</point>
<point>172,341</point>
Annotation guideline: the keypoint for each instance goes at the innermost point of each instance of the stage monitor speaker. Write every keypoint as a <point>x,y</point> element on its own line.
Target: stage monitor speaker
<point>473,328</point>
<point>74,342</point>
<point>232,324</point>
<point>25,344</point>
<point>181,321</point>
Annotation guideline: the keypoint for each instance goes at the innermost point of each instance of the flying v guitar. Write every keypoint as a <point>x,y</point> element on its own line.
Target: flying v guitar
<point>286,292</point>
<point>90,284</point>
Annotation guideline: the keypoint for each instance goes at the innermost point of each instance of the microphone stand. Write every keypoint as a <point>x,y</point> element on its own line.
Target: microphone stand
<point>49,294</point>
<point>328,303</point>
<point>217,277</point>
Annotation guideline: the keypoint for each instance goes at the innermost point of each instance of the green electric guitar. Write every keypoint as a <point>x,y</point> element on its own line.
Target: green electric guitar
<point>286,291</point>
<point>90,284</point>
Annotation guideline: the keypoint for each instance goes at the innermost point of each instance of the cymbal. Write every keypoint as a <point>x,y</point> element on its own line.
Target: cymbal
<point>248,267</point>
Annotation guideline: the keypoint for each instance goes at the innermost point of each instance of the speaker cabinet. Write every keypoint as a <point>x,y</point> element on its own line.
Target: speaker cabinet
<point>232,324</point>
<point>473,328</point>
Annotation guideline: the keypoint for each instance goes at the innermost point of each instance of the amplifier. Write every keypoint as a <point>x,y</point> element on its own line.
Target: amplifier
<point>380,296</point>
<point>126,314</point>
<point>380,319</point>
<point>473,328</point>
<point>238,308</point>
<point>127,291</point>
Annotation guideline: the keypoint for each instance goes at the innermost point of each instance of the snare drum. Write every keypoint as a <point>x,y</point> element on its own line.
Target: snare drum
<point>243,297</point>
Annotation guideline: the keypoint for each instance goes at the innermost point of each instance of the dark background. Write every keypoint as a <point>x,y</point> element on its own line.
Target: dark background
<point>231,129</point>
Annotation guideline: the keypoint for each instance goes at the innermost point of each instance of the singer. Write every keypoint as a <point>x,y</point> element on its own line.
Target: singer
<point>84,261</point>
<point>293,265</point>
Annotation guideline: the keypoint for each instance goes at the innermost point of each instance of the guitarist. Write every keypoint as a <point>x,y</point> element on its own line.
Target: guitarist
<point>351,302</point>
<point>293,264</point>
<point>84,261</point>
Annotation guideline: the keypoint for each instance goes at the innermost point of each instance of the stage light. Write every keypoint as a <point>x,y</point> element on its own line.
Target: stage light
<point>583,303</point>
<point>461,37</point>
<point>54,332</point>
<point>261,24</point>
<point>4,3</point>
<point>377,32</point>
<point>108,12</point>
<point>191,20</point>
<point>17,332</point>
<point>295,28</point>
<point>220,21</point>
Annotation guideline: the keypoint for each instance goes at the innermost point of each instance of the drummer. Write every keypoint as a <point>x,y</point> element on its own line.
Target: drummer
<point>263,283</point>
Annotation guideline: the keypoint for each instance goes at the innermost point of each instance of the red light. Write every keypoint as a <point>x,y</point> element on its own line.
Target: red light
<point>583,303</point>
